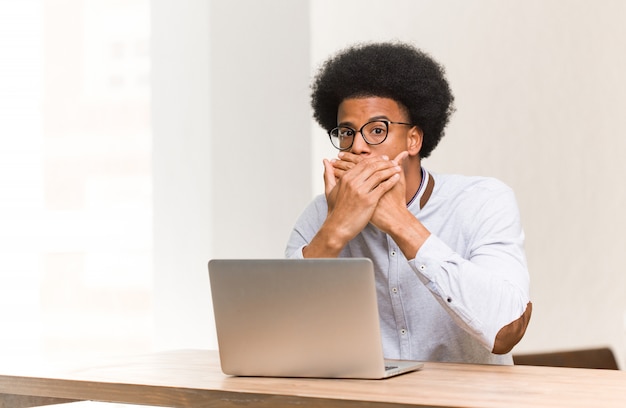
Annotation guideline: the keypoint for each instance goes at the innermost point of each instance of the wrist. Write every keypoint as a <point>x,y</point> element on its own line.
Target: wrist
<point>410,234</point>
<point>327,243</point>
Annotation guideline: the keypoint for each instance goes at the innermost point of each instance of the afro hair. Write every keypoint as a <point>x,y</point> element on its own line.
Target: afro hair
<point>397,71</point>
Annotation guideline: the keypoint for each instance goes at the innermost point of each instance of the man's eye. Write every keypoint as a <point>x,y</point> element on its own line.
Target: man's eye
<point>346,133</point>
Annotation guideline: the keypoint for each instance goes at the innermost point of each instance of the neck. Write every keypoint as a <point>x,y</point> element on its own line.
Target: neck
<point>413,177</point>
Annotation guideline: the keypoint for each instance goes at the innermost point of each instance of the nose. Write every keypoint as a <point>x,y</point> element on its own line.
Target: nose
<point>359,146</point>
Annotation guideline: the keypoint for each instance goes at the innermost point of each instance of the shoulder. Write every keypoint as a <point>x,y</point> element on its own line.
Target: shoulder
<point>454,185</point>
<point>316,210</point>
<point>474,207</point>
<point>472,194</point>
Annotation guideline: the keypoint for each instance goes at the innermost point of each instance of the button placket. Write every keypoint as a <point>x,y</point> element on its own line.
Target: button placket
<point>395,259</point>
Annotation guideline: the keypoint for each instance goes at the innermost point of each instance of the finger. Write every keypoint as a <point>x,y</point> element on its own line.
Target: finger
<point>342,166</point>
<point>376,178</point>
<point>384,186</point>
<point>350,157</point>
<point>329,177</point>
<point>370,172</point>
<point>400,157</point>
<point>377,164</point>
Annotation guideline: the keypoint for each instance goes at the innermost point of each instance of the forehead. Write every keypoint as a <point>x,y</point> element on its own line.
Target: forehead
<point>366,108</point>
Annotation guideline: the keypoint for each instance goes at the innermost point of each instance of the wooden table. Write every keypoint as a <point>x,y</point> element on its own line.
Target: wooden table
<point>192,378</point>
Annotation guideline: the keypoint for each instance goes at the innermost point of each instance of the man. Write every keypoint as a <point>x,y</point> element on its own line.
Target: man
<point>451,275</point>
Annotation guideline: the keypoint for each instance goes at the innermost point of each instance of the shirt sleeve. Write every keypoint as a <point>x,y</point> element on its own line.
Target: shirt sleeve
<point>487,288</point>
<point>307,225</point>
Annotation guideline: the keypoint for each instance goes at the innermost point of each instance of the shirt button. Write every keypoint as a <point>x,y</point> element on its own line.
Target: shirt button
<point>422,267</point>
<point>403,332</point>
<point>394,290</point>
<point>393,252</point>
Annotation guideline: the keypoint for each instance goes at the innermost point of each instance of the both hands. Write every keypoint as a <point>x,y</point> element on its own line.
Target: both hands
<point>362,190</point>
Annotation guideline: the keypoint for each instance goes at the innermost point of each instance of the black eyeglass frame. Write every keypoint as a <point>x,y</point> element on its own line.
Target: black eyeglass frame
<point>386,122</point>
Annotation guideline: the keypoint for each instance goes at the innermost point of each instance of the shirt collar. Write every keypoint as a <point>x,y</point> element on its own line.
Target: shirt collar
<point>424,191</point>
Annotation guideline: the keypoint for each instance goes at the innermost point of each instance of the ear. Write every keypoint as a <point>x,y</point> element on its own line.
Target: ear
<point>414,141</point>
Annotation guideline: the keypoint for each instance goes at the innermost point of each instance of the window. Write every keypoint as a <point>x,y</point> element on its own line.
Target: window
<point>75,176</point>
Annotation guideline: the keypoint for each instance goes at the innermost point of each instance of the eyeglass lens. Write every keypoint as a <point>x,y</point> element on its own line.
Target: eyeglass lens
<point>374,133</point>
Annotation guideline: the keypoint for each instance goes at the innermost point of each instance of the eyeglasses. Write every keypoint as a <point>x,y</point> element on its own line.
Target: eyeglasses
<point>374,133</point>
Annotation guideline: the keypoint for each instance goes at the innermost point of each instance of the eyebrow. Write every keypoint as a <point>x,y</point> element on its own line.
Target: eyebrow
<point>374,118</point>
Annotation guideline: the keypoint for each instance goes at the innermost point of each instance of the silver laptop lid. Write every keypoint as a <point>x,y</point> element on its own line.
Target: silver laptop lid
<point>297,318</point>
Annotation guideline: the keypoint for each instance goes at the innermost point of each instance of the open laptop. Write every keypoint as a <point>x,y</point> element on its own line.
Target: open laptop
<point>299,318</point>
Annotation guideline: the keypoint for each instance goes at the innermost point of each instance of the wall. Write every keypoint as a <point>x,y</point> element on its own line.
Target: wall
<point>540,97</point>
<point>231,146</point>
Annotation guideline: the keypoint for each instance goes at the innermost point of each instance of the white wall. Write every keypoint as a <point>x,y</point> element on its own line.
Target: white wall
<point>181,170</point>
<point>540,97</point>
<point>231,146</point>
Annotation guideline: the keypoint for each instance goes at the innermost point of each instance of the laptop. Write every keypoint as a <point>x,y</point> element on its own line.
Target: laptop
<point>299,318</point>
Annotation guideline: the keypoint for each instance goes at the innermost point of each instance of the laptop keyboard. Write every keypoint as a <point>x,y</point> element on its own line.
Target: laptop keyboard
<point>387,368</point>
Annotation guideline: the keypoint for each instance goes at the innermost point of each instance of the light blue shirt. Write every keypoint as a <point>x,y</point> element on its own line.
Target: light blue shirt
<point>468,280</point>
